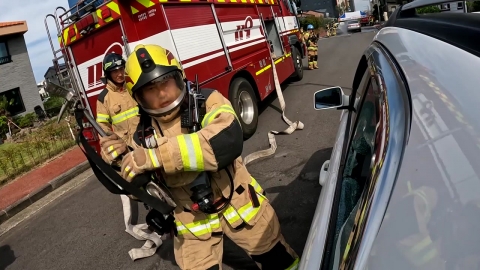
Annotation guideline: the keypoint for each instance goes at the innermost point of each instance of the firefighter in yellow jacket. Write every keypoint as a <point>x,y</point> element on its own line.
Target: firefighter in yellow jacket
<point>311,41</point>
<point>178,158</point>
<point>117,114</point>
<point>117,111</point>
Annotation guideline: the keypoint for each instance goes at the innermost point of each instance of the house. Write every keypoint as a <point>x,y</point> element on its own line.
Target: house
<point>457,7</point>
<point>51,74</point>
<point>17,82</point>
<point>311,13</point>
<point>329,6</point>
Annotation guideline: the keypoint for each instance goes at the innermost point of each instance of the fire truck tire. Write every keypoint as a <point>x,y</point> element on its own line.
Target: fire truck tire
<point>244,102</point>
<point>298,64</point>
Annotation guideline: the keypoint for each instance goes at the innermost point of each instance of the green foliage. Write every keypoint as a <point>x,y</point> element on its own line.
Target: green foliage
<point>26,121</point>
<point>3,125</point>
<point>53,102</point>
<point>33,149</point>
<point>429,9</point>
<point>473,6</point>
<point>317,22</point>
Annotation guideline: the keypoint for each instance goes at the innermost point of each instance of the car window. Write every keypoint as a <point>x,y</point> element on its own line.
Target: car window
<point>356,172</point>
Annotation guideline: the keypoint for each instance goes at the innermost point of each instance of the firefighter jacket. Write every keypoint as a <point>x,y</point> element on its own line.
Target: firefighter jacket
<point>117,111</point>
<point>310,41</point>
<point>215,149</point>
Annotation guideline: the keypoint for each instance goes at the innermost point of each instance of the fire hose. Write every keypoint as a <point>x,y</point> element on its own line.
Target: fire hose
<point>292,126</point>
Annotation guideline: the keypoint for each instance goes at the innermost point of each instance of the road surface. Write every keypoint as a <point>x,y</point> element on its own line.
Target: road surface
<point>83,228</point>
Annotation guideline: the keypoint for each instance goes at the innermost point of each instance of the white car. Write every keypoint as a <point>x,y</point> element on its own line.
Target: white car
<point>354,26</point>
<point>401,188</point>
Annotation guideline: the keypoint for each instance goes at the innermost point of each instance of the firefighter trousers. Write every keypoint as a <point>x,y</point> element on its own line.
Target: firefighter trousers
<point>263,242</point>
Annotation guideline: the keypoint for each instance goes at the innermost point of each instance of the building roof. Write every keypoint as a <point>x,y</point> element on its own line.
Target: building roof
<point>15,27</point>
<point>60,66</point>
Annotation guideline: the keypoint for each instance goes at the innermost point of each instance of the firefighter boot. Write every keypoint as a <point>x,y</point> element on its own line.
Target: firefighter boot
<point>315,62</point>
<point>310,62</point>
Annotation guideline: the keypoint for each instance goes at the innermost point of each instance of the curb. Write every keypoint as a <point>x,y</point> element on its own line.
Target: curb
<point>36,195</point>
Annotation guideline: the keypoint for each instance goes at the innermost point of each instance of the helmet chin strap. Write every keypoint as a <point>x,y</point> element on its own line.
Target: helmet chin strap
<point>167,110</point>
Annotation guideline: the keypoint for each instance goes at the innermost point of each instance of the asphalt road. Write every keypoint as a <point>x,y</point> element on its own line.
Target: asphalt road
<point>83,229</point>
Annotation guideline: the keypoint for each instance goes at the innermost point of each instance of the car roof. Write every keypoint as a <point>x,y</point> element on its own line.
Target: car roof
<point>434,209</point>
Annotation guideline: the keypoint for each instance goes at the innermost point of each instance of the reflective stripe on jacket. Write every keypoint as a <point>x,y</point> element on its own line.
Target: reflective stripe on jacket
<point>117,111</point>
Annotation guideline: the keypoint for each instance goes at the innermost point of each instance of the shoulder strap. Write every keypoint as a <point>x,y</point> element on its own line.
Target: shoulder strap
<point>102,95</point>
<point>206,92</point>
<point>144,129</point>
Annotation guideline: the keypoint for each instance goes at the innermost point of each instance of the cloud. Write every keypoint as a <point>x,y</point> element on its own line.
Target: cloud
<point>34,13</point>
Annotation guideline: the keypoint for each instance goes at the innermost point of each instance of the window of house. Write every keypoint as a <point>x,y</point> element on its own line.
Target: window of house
<point>15,101</point>
<point>460,5</point>
<point>4,53</point>
<point>445,7</point>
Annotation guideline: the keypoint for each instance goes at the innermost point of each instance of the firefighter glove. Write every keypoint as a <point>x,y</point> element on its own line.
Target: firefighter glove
<point>112,147</point>
<point>139,161</point>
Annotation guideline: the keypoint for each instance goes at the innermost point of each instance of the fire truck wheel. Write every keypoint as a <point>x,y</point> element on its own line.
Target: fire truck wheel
<point>244,102</point>
<point>298,64</point>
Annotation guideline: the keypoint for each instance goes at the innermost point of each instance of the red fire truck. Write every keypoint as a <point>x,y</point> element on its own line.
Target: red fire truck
<point>229,44</point>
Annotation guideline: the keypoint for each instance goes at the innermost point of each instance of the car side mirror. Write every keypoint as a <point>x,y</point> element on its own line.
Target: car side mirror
<point>329,98</point>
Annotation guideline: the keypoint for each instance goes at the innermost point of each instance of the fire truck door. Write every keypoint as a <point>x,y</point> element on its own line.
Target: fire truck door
<point>273,36</point>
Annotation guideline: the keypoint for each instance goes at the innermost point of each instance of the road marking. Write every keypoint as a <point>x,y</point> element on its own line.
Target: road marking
<point>28,212</point>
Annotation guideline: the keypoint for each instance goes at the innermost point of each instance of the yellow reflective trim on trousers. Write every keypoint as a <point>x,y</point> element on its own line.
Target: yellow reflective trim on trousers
<point>246,212</point>
<point>191,152</point>
<point>103,118</point>
<point>125,115</point>
<point>231,215</point>
<point>213,114</point>
<point>422,252</point>
<point>153,157</point>
<point>200,227</point>
<point>294,265</point>
<point>256,185</point>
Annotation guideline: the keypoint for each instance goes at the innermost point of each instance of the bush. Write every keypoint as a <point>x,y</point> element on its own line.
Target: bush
<point>25,121</point>
<point>317,22</point>
<point>3,125</point>
<point>429,9</point>
<point>53,106</point>
<point>53,102</point>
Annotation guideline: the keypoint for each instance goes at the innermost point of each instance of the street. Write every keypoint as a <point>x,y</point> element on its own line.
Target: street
<point>84,229</point>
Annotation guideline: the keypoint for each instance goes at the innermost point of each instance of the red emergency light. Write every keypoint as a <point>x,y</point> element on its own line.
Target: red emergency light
<point>87,23</point>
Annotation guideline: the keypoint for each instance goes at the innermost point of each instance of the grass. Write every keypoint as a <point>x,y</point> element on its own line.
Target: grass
<point>33,150</point>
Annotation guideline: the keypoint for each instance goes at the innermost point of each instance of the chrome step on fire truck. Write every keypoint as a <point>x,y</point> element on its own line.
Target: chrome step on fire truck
<point>230,44</point>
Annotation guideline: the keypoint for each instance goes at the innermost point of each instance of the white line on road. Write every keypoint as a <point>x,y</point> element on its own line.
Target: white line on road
<point>78,181</point>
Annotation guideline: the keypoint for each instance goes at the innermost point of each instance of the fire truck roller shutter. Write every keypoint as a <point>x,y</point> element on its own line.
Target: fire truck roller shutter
<point>244,101</point>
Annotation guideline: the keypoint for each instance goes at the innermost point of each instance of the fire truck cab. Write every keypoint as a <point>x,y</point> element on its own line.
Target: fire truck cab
<point>229,44</point>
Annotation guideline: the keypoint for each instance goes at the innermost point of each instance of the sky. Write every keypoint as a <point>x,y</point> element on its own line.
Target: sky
<point>34,12</point>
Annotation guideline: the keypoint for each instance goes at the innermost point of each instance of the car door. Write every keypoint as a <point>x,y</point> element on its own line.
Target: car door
<point>372,158</point>
<point>314,247</point>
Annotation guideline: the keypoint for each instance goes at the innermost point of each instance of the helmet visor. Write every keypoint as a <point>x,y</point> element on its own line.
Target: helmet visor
<point>161,95</point>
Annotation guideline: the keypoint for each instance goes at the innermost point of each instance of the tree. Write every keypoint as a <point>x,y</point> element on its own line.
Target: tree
<point>317,22</point>
<point>429,9</point>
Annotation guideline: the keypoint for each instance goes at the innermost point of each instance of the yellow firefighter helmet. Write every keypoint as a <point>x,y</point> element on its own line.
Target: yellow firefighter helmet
<point>150,64</point>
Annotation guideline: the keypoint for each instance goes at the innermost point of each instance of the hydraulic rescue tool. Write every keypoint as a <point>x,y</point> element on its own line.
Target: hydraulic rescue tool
<point>159,216</point>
